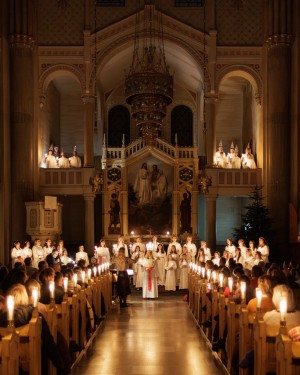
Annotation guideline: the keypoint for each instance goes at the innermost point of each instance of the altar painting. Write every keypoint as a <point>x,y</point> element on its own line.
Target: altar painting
<point>150,185</point>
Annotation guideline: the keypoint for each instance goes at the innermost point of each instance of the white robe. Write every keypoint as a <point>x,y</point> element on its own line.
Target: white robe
<point>177,246</point>
<point>102,254</point>
<point>160,268</point>
<point>170,267</point>
<point>63,162</point>
<point>15,254</point>
<point>183,284</point>
<point>82,255</point>
<point>139,273</point>
<point>38,255</point>
<point>192,251</point>
<point>26,252</point>
<point>150,289</point>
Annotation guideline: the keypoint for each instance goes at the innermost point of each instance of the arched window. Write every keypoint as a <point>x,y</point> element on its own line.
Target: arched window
<point>182,125</point>
<point>118,124</point>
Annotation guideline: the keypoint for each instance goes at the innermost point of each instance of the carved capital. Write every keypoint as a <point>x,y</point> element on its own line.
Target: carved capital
<point>25,40</point>
<point>276,40</point>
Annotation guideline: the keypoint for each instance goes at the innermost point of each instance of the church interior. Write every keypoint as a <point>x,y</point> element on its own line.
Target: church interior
<point>141,118</point>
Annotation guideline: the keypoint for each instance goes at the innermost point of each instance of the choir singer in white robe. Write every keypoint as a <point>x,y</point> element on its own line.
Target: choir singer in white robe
<point>150,289</point>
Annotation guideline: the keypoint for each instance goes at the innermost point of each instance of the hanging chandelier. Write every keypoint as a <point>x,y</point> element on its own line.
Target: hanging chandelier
<point>148,84</point>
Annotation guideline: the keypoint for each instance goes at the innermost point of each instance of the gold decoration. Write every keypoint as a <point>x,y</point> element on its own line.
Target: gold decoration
<point>148,85</point>
<point>204,182</point>
<point>96,182</point>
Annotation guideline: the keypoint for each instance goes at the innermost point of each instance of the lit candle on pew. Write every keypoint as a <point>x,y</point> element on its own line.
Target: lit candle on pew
<point>199,270</point>
<point>208,273</point>
<point>258,299</point>
<point>283,310</point>
<point>10,300</point>
<point>75,280</point>
<point>214,276</point>
<point>89,273</point>
<point>83,277</point>
<point>35,297</point>
<point>243,291</point>
<point>66,284</point>
<point>95,271</point>
<point>221,280</point>
<point>203,272</point>
<point>99,270</point>
<point>230,284</point>
<point>51,289</point>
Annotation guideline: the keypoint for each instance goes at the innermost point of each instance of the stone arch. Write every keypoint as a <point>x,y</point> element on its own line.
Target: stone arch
<point>250,73</point>
<point>59,70</point>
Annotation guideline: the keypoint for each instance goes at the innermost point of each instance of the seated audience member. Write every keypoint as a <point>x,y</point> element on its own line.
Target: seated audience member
<point>46,276</point>
<point>22,316</point>
<point>28,266</point>
<point>30,285</point>
<point>265,285</point>
<point>292,316</point>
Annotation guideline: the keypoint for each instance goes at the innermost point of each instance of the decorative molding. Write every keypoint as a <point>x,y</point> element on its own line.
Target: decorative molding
<point>252,69</point>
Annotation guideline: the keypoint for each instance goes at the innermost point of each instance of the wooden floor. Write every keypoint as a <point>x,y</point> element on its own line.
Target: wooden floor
<point>151,337</point>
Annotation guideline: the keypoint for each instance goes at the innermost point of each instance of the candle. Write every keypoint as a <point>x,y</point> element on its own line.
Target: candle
<point>199,270</point>
<point>83,277</point>
<point>10,307</point>
<point>203,272</point>
<point>95,271</point>
<point>66,284</point>
<point>75,280</point>
<point>35,297</point>
<point>51,288</point>
<point>214,276</point>
<point>243,290</point>
<point>89,272</point>
<point>283,309</point>
<point>221,279</point>
<point>258,298</point>
<point>99,270</point>
<point>208,273</point>
<point>230,284</point>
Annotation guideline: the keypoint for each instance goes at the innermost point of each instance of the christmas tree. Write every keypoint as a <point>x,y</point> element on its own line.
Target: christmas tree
<point>256,222</point>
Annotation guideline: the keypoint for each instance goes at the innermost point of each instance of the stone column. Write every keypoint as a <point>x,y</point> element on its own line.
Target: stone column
<point>89,241</point>
<point>210,110</point>
<point>22,150</point>
<point>278,119</point>
<point>211,217</point>
<point>88,131</point>
<point>176,214</point>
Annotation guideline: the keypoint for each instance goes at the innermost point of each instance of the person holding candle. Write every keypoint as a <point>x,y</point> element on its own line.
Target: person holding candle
<point>183,265</point>
<point>230,247</point>
<point>81,254</point>
<point>120,244</point>
<point>48,248</point>
<point>64,259</point>
<point>265,285</point>
<point>192,249</point>
<point>102,253</point>
<point>170,268</point>
<point>150,288</point>
<point>263,248</point>
<point>206,251</point>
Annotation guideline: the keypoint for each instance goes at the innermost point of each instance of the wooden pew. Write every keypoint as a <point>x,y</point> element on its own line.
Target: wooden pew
<point>63,320</point>
<point>223,302</point>
<point>233,328</point>
<point>30,344</point>
<point>74,317</point>
<point>287,355</point>
<point>214,310</point>
<point>51,318</point>
<point>9,354</point>
<point>246,338</point>
<point>264,348</point>
<point>82,311</point>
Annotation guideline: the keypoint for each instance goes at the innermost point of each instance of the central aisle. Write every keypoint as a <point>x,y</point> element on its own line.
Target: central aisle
<point>151,337</point>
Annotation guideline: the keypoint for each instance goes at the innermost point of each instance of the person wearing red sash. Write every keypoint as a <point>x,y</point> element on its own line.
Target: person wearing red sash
<point>150,289</point>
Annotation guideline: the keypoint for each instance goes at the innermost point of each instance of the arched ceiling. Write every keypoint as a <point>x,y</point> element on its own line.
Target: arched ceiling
<point>186,73</point>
